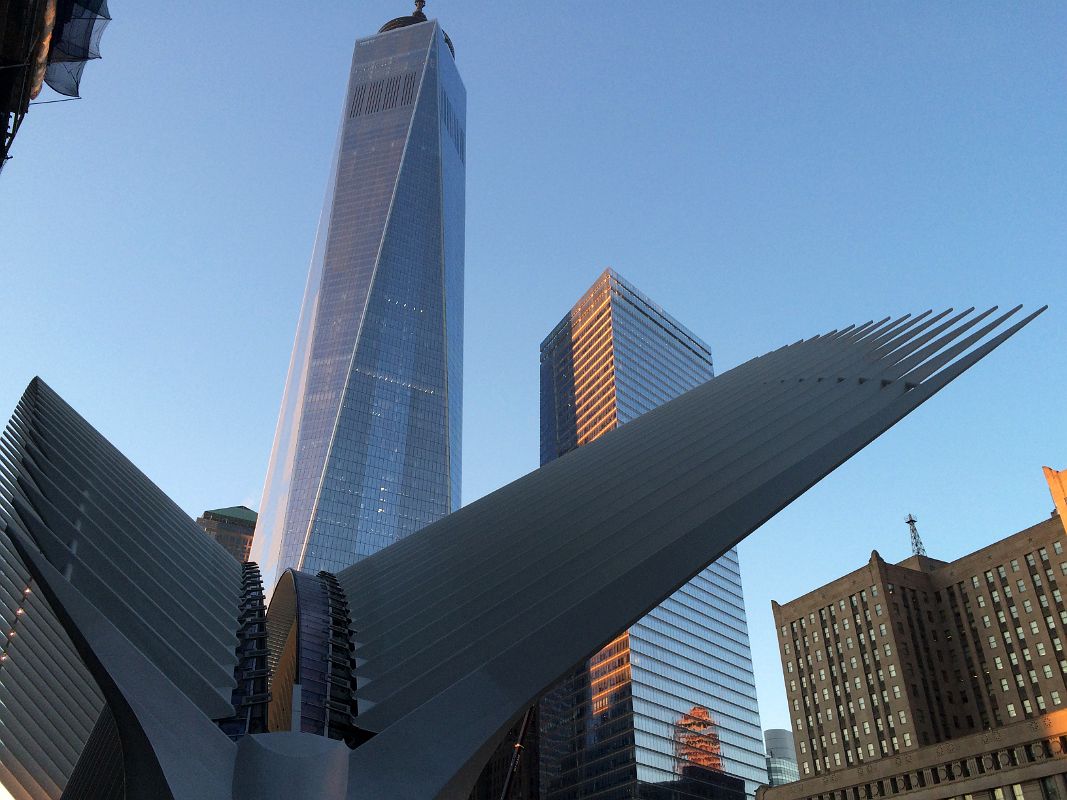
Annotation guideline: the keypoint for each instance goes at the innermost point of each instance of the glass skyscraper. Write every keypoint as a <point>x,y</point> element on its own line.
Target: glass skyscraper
<point>367,448</point>
<point>667,709</point>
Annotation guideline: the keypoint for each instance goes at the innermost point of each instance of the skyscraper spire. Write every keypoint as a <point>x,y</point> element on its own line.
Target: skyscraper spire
<point>414,18</point>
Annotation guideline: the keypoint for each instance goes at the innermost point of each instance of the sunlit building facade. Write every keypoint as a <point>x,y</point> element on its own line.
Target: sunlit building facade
<point>231,527</point>
<point>669,707</point>
<point>893,658</point>
<point>367,448</point>
<point>943,679</point>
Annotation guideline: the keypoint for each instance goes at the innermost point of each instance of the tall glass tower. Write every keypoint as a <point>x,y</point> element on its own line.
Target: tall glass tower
<point>668,708</point>
<point>367,448</point>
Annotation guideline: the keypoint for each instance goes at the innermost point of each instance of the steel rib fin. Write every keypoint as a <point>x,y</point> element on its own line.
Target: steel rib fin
<point>921,332</point>
<point>877,335</point>
<point>904,330</point>
<point>921,369</point>
<point>938,376</point>
<point>903,338</point>
<point>900,354</point>
<point>905,361</point>
<point>131,681</point>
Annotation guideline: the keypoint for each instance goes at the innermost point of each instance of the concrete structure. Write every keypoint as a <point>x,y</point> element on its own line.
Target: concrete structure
<point>367,448</point>
<point>142,652</point>
<point>231,527</point>
<point>781,757</point>
<point>674,694</point>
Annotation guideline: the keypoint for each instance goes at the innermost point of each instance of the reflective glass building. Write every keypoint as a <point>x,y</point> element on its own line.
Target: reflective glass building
<point>367,448</point>
<point>667,709</point>
<point>781,757</point>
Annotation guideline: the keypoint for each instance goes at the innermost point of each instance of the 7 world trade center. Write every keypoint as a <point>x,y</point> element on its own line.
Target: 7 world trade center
<point>368,442</point>
<point>667,708</point>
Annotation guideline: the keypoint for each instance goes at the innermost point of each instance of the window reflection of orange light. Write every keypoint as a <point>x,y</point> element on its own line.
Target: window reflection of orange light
<point>601,678</point>
<point>614,687</point>
<point>697,741</point>
<point>620,638</point>
<point>603,684</point>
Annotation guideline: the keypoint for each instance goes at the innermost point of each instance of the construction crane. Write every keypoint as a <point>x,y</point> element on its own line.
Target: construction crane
<point>917,548</point>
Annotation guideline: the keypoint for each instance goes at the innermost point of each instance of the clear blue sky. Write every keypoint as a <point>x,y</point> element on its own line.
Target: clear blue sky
<point>765,171</point>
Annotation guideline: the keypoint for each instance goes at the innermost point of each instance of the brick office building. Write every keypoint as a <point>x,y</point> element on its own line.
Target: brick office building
<point>893,659</point>
<point>231,527</point>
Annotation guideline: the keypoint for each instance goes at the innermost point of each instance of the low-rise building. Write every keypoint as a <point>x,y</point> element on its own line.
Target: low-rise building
<point>232,528</point>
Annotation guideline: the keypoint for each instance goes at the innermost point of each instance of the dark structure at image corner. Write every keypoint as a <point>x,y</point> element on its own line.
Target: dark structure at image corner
<point>43,42</point>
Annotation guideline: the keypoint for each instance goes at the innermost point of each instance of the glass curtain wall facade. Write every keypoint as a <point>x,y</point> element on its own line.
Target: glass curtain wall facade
<point>367,448</point>
<point>667,709</point>
<point>781,757</point>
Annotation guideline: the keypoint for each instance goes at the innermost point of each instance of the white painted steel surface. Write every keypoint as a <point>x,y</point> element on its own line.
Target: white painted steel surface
<point>458,627</point>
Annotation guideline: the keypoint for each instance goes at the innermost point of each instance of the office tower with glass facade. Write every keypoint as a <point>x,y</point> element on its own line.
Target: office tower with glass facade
<point>668,708</point>
<point>367,448</point>
<point>231,527</point>
<point>781,757</point>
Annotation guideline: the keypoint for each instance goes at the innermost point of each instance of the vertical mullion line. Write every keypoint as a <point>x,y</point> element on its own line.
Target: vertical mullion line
<point>442,106</point>
<point>280,495</point>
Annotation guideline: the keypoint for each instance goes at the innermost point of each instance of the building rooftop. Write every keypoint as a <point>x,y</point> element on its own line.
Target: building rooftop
<point>921,563</point>
<point>607,281</point>
<point>938,570</point>
<point>241,513</point>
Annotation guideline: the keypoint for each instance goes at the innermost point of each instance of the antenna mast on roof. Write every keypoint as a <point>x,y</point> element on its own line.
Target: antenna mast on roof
<point>917,548</point>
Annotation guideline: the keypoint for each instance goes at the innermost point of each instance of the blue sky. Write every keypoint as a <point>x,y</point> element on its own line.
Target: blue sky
<point>764,171</point>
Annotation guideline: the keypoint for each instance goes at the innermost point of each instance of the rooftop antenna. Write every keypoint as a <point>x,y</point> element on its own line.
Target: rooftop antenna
<point>917,548</point>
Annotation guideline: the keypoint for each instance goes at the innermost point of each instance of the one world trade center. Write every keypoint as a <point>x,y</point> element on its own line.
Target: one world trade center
<point>367,448</point>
